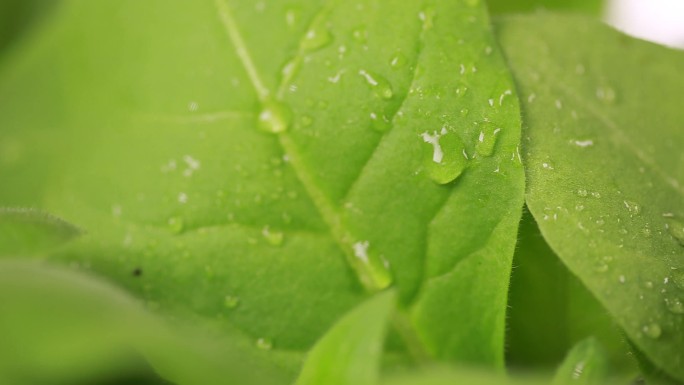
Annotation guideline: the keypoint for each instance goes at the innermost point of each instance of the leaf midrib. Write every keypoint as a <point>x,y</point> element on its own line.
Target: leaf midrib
<point>329,212</point>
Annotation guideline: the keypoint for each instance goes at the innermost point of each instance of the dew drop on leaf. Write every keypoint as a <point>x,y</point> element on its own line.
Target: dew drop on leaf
<point>275,117</point>
<point>290,69</point>
<point>291,17</point>
<point>443,156</point>
<point>426,16</point>
<point>378,84</point>
<point>652,330</point>
<point>487,139</point>
<point>633,208</point>
<point>316,38</point>
<point>674,305</point>
<point>605,94</point>
<point>582,192</point>
<point>676,229</point>
<point>264,344</point>
<point>380,122</point>
<point>360,34</point>
<point>274,238</point>
<point>374,269</point>
<point>176,225</point>
<point>461,91</point>
<point>398,61</point>
<point>231,301</point>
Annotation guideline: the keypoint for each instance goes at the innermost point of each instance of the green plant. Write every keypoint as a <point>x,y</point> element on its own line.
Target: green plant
<point>328,192</point>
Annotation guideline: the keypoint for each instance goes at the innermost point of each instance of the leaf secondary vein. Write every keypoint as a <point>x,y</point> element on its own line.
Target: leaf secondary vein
<point>393,119</point>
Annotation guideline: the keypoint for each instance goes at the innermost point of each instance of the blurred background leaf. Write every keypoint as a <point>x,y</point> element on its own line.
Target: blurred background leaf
<point>63,327</point>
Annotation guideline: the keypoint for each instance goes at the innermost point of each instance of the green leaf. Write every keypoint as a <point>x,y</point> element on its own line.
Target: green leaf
<point>29,232</point>
<point>550,310</point>
<point>349,353</point>
<point>268,165</point>
<point>59,326</point>
<point>603,160</point>
<point>586,363</point>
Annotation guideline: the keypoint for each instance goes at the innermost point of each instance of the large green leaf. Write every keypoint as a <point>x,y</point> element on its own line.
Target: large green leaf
<point>269,164</point>
<point>605,168</point>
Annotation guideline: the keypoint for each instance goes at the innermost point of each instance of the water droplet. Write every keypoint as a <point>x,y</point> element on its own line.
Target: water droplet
<point>426,16</point>
<point>676,229</point>
<point>290,68</point>
<point>264,344</point>
<point>582,192</point>
<point>291,17</point>
<point>487,139</point>
<point>231,301</point>
<point>182,198</point>
<point>622,279</point>
<point>275,117</point>
<point>380,86</point>
<point>605,94</point>
<point>316,38</point>
<point>398,61</point>
<point>274,238</point>
<point>461,91</point>
<point>674,305</point>
<point>464,112</point>
<point>583,143</point>
<point>652,330</point>
<point>380,123</point>
<point>648,285</point>
<point>360,34</point>
<point>176,225</point>
<point>374,270</point>
<point>579,207</point>
<point>632,207</point>
<point>443,158</point>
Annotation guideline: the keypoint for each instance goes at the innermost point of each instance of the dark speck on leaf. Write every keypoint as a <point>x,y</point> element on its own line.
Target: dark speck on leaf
<point>137,272</point>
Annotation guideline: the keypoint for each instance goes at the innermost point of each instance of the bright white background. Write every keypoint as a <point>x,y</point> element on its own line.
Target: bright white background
<point>661,21</point>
